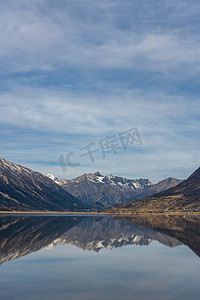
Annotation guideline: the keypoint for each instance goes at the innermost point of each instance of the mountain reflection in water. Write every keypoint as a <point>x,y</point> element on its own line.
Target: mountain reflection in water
<point>22,235</point>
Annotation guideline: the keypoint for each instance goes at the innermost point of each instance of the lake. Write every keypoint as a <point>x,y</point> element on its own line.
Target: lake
<point>99,257</point>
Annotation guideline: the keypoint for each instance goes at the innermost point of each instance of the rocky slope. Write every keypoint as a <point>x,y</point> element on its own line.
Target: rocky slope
<point>22,189</point>
<point>184,196</point>
<point>110,190</point>
<point>159,187</point>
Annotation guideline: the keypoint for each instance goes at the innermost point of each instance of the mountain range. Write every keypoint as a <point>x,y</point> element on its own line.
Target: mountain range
<point>104,191</point>
<point>22,189</point>
<point>183,197</point>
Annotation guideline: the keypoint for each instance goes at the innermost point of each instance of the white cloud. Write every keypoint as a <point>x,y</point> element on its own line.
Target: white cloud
<point>37,37</point>
<point>95,114</point>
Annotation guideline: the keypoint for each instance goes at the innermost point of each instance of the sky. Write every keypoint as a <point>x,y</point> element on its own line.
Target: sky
<point>78,73</point>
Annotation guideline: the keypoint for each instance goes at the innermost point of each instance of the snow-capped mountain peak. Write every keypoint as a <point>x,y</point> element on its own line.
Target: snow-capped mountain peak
<point>109,190</point>
<point>54,178</point>
<point>120,182</point>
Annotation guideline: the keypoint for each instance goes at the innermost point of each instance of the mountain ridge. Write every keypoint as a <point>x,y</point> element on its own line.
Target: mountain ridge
<point>109,190</point>
<point>183,197</point>
<point>22,189</point>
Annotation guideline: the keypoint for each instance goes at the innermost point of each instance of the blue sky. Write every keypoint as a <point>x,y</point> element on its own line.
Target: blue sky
<point>75,72</point>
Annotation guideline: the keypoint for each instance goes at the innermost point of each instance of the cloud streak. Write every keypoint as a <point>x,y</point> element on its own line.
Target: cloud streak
<point>45,38</point>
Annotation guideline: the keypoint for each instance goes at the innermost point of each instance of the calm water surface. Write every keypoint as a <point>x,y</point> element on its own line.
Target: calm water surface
<point>50,257</point>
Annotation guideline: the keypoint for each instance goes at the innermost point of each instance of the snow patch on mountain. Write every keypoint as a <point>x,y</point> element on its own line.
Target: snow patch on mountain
<point>115,181</point>
<point>14,168</point>
<point>54,178</point>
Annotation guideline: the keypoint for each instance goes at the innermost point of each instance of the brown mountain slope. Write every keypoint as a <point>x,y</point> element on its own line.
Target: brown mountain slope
<point>185,196</point>
<point>22,189</point>
<point>159,187</point>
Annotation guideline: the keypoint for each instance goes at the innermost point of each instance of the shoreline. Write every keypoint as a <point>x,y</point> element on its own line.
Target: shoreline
<point>57,213</point>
